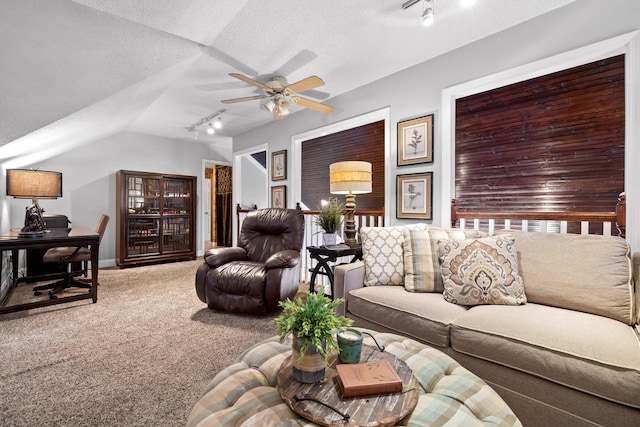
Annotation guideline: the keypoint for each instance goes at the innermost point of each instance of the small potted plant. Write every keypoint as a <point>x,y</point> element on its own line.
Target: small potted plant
<point>312,322</point>
<point>330,220</point>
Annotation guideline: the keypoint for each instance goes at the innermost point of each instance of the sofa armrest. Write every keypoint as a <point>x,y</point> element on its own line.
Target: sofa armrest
<point>635,272</point>
<point>347,277</point>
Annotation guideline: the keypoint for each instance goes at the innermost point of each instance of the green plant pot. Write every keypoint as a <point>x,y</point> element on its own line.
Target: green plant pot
<point>310,369</point>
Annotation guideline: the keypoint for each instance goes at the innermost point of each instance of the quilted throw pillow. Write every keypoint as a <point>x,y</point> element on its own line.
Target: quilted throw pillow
<point>421,263</point>
<point>382,254</point>
<point>481,271</point>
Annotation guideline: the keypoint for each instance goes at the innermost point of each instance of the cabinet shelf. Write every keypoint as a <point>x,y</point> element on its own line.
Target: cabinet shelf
<point>156,217</point>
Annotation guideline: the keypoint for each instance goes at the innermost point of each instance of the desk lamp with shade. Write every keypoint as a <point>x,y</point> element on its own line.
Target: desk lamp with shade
<point>350,178</point>
<point>34,185</point>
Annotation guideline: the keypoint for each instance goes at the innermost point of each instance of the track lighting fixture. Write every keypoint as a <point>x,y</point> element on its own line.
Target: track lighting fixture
<point>427,10</point>
<point>427,13</point>
<point>213,121</point>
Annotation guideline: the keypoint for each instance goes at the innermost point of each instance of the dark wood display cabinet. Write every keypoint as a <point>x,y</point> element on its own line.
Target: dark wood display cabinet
<point>156,218</point>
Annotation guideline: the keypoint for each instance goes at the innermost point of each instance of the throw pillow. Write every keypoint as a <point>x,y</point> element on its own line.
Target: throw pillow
<point>481,271</point>
<point>382,254</point>
<point>421,264</point>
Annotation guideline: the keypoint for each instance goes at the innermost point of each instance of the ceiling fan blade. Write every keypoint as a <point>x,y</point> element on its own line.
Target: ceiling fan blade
<point>229,60</point>
<point>246,98</point>
<point>313,105</point>
<point>301,59</point>
<point>251,82</point>
<point>310,82</point>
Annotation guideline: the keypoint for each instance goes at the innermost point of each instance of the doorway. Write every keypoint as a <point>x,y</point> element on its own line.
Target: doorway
<point>217,207</point>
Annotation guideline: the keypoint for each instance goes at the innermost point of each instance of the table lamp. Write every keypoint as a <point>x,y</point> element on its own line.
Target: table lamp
<point>33,184</point>
<point>350,178</point>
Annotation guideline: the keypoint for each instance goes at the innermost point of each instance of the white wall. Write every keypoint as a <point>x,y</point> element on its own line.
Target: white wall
<point>254,183</point>
<point>418,90</point>
<point>89,179</point>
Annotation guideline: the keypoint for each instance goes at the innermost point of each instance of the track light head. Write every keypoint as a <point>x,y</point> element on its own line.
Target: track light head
<point>427,13</point>
<point>210,129</point>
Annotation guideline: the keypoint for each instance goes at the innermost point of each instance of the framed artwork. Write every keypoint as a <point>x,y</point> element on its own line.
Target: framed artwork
<point>415,141</point>
<point>279,196</point>
<point>414,195</point>
<point>279,165</point>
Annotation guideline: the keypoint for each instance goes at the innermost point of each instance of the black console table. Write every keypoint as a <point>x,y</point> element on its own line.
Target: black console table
<point>11,241</point>
<point>325,254</point>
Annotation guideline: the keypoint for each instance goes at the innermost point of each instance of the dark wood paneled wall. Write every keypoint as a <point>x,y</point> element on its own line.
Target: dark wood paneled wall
<point>553,143</point>
<point>364,143</point>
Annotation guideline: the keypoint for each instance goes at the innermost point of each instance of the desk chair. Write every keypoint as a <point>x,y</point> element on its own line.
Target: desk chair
<point>68,255</point>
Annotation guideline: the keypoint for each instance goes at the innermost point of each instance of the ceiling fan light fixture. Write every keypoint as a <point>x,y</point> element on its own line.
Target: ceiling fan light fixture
<point>284,108</point>
<point>269,105</point>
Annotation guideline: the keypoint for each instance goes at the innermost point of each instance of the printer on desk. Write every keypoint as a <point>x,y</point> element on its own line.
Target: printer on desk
<point>56,221</point>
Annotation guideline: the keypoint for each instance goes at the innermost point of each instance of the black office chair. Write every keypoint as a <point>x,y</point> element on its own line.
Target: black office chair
<point>69,255</point>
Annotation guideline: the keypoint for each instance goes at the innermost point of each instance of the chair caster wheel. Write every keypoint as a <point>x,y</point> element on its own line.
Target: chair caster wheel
<point>37,293</point>
<point>51,296</point>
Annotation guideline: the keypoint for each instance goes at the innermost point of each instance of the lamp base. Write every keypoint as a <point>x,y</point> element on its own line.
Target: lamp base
<point>31,234</point>
<point>349,221</point>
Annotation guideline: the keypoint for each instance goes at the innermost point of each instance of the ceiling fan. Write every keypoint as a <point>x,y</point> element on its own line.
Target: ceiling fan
<point>280,92</point>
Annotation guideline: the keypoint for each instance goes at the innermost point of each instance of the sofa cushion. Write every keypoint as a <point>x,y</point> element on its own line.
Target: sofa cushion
<point>581,272</point>
<point>424,316</point>
<point>421,264</point>
<point>481,271</point>
<point>591,353</point>
<point>382,254</point>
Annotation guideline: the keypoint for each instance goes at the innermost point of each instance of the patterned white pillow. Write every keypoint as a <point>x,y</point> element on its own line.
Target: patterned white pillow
<point>421,264</point>
<point>382,254</point>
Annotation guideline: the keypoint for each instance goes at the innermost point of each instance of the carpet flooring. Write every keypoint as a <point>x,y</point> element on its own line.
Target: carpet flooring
<point>140,356</point>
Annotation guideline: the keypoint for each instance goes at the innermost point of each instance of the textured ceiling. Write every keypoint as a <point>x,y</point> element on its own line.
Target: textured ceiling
<point>75,71</point>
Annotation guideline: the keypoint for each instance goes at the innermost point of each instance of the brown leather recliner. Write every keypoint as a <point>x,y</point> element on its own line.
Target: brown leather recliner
<point>263,270</point>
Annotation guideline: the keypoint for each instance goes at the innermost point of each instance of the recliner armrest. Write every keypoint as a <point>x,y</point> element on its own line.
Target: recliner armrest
<point>347,277</point>
<point>220,256</point>
<point>283,259</point>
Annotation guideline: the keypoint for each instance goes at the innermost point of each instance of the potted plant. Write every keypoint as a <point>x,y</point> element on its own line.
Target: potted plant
<point>312,322</point>
<point>330,220</point>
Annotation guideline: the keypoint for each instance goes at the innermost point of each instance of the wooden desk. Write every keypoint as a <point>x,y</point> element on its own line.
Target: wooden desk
<point>325,254</point>
<point>78,236</point>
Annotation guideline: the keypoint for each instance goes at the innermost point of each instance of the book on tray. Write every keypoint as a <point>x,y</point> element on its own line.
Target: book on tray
<point>366,378</point>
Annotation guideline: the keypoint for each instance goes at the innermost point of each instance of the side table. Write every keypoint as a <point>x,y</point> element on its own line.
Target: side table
<point>325,254</point>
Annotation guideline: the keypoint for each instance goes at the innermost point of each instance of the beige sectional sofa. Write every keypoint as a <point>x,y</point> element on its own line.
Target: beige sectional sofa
<point>567,354</point>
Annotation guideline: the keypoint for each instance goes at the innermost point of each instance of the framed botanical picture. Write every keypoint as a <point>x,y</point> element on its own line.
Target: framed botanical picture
<point>415,141</point>
<point>279,196</point>
<point>279,165</point>
<point>414,195</point>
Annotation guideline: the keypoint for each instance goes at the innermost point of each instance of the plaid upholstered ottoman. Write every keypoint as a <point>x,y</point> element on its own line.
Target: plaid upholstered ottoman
<point>244,394</point>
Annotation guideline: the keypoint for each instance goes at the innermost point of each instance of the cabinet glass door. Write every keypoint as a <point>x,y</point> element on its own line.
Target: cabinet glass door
<point>144,236</point>
<point>176,219</point>
<point>143,215</point>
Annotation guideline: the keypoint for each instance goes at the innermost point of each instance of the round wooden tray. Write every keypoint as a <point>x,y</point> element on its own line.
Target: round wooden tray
<point>370,411</point>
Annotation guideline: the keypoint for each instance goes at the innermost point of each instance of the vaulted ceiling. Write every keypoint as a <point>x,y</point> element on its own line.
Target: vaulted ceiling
<point>73,71</point>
